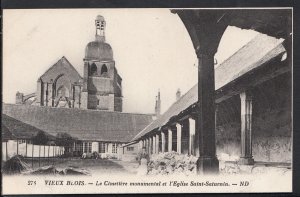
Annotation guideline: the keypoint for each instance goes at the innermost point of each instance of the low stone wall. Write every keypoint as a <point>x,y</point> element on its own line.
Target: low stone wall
<point>172,163</point>
<point>266,168</point>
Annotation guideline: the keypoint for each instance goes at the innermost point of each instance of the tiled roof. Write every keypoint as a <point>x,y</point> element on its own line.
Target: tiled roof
<point>82,124</point>
<point>6,134</point>
<point>13,128</point>
<point>259,50</point>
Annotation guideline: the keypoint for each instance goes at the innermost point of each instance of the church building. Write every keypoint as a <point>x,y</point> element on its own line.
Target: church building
<point>100,88</point>
<point>87,108</point>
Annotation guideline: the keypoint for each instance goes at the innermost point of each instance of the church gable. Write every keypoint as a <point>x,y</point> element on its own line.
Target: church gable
<point>62,67</point>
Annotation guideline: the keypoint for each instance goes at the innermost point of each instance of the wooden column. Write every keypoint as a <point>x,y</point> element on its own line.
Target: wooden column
<point>192,127</point>
<point>205,28</point>
<point>154,144</point>
<point>179,133</point>
<point>17,146</point>
<point>140,145</point>
<point>25,148</point>
<point>246,129</point>
<point>6,152</point>
<point>32,154</point>
<point>163,142</point>
<point>157,143</point>
<point>169,140</point>
<point>150,145</point>
<point>207,162</point>
<point>53,154</point>
<point>147,145</point>
<point>39,155</point>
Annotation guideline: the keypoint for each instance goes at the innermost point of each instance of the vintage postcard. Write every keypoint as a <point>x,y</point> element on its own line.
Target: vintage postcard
<point>147,100</point>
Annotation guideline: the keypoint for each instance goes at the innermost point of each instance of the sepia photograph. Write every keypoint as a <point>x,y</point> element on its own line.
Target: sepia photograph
<point>156,100</point>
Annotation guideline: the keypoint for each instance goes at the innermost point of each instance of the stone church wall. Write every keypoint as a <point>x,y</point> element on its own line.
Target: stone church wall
<point>97,84</point>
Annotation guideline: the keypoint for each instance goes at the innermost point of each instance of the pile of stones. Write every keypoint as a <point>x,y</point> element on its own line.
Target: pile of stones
<point>172,163</point>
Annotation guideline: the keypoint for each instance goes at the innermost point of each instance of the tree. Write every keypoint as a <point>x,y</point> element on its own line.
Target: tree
<point>65,140</point>
<point>40,138</point>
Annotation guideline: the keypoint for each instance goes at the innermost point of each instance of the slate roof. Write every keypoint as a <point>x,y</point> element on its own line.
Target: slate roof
<point>6,134</point>
<point>92,125</point>
<point>259,50</point>
<point>15,129</point>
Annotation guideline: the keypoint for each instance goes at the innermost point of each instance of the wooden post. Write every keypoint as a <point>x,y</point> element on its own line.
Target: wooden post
<point>157,143</point>
<point>17,146</point>
<point>147,145</point>
<point>6,150</point>
<point>208,162</point>
<point>150,145</point>
<point>169,140</point>
<point>32,154</point>
<point>206,32</point>
<point>154,144</point>
<point>25,148</point>
<point>53,155</point>
<point>246,157</point>
<point>49,154</point>
<point>179,133</point>
<point>39,155</point>
<point>163,142</point>
<point>192,127</point>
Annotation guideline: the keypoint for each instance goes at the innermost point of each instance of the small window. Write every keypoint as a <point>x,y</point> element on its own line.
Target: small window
<point>114,148</point>
<point>21,141</point>
<point>89,147</point>
<point>85,144</point>
<point>101,147</point>
<point>81,147</point>
<point>98,102</point>
<point>93,69</point>
<point>103,69</point>
<point>130,148</point>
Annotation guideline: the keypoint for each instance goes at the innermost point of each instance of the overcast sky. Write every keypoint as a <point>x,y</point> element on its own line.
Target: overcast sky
<point>152,50</point>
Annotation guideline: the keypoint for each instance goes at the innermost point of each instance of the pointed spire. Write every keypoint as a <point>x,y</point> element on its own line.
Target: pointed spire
<point>157,104</point>
<point>178,94</point>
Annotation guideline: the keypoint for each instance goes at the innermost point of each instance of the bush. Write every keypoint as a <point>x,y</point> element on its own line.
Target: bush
<point>15,165</point>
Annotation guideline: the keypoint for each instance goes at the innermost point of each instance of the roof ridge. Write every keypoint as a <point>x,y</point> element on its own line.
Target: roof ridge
<point>79,109</point>
<point>244,46</point>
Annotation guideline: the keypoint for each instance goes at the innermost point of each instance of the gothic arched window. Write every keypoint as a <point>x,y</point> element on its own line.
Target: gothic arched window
<point>63,91</point>
<point>103,69</point>
<point>93,69</point>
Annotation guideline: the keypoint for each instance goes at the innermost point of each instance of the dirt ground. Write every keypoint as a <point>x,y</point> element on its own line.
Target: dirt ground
<point>103,166</point>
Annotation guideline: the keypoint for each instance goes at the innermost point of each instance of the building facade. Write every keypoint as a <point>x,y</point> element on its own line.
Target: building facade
<point>100,88</point>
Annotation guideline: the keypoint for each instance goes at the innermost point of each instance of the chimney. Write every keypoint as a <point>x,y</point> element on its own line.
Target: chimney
<point>19,98</point>
<point>157,104</point>
<point>178,94</point>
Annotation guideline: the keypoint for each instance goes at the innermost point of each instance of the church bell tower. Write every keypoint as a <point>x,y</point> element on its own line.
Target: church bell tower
<point>102,85</point>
